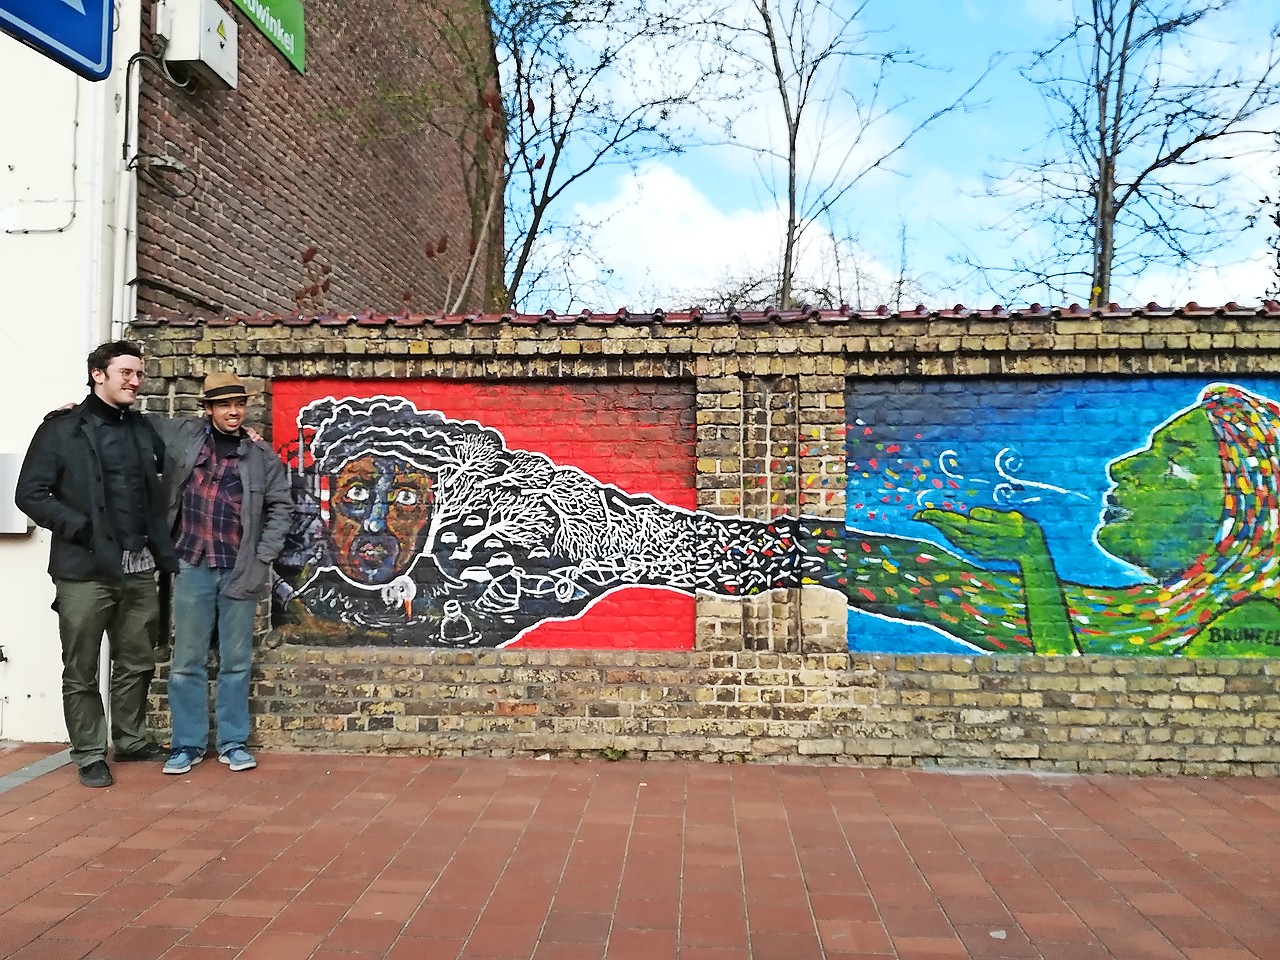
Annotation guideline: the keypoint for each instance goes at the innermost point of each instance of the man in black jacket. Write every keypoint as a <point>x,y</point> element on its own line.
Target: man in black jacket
<point>92,477</point>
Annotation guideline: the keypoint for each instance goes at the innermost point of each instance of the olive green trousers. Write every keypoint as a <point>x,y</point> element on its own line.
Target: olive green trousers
<point>128,612</point>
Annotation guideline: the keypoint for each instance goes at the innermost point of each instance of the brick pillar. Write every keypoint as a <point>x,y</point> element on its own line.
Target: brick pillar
<point>720,484</point>
<point>770,442</point>
<point>820,471</point>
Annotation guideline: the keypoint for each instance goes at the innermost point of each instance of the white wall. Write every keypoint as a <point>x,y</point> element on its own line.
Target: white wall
<point>60,149</point>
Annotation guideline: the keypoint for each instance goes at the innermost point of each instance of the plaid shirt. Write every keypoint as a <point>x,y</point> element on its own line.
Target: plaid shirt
<point>209,525</point>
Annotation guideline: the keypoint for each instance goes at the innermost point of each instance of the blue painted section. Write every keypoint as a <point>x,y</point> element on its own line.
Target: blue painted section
<point>1037,445</point>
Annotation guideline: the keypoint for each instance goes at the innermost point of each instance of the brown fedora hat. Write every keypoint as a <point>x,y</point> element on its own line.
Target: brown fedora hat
<point>223,386</point>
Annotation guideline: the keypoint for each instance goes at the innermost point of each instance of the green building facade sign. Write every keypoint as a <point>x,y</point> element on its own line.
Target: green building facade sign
<point>281,21</point>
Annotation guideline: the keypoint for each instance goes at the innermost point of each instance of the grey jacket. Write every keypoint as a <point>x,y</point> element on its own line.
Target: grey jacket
<point>265,512</point>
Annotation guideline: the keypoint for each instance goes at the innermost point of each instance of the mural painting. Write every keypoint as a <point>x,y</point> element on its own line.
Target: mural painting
<point>1057,516</point>
<point>1125,516</point>
<point>478,515</point>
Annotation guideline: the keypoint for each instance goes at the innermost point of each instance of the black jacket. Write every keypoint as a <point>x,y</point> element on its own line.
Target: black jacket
<point>61,488</point>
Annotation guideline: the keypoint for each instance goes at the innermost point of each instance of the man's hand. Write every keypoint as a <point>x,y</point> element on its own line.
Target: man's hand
<point>253,435</point>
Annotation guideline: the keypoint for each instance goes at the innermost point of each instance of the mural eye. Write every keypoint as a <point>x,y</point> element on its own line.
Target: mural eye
<point>356,493</point>
<point>473,521</point>
<point>448,537</point>
<point>406,497</point>
<point>493,543</point>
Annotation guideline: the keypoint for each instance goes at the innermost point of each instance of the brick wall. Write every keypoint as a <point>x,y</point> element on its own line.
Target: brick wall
<point>775,673</point>
<point>338,189</point>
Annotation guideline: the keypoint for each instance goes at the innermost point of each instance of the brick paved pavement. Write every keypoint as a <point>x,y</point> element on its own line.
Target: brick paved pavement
<point>338,857</point>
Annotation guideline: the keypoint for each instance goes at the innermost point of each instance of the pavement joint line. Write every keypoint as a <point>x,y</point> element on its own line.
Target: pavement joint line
<point>1004,772</point>
<point>33,770</point>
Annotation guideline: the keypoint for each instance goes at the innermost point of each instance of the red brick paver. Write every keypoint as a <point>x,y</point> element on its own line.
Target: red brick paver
<point>322,857</point>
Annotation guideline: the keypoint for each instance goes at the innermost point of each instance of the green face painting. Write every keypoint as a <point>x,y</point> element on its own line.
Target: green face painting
<point>1167,500</point>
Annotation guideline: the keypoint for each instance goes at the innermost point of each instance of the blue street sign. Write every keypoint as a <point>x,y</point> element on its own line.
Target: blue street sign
<point>76,33</point>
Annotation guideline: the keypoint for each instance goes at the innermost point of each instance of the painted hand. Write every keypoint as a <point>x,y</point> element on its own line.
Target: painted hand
<point>1007,535</point>
<point>989,534</point>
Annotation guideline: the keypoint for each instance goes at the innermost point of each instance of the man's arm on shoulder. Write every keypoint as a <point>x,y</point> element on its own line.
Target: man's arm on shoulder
<point>37,481</point>
<point>171,429</point>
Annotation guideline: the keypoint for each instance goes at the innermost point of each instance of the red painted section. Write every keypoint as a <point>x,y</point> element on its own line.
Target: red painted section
<point>638,619</point>
<point>637,436</point>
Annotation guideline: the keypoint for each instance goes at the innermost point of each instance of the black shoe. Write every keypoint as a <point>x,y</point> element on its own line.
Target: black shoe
<point>151,752</point>
<point>96,774</point>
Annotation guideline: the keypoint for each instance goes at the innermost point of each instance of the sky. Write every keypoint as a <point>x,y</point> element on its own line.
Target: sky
<point>677,226</point>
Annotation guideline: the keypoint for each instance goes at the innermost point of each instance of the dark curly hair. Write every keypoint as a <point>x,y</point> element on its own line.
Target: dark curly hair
<point>102,355</point>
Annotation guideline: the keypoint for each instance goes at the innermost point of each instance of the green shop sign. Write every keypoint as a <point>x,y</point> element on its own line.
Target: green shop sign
<point>282,23</point>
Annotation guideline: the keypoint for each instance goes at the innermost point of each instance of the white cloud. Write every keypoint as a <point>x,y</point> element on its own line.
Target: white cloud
<point>659,233</point>
<point>1244,282</point>
<point>668,243</point>
<point>1055,13</point>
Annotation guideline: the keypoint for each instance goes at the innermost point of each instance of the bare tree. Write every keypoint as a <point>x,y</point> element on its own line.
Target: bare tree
<point>589,84</point>
<point>855,281</point>
<point>1272,207</point>
<point>829,78</point>
<point>1147,111</point>
<point>1273,247</point>
<point>543,94</point>
<point>836,271</point>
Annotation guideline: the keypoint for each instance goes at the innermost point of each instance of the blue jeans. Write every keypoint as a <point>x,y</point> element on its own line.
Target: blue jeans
<point>197,607</point>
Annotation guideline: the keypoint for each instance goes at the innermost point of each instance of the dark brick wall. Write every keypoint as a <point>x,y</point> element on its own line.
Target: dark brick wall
<point>337,162</point>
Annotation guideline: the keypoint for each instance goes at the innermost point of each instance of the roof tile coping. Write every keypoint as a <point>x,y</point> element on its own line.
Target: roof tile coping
<point>698,316</point>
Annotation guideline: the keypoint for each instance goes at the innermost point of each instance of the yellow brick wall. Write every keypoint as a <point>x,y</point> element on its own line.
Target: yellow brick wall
<point>769,678</point>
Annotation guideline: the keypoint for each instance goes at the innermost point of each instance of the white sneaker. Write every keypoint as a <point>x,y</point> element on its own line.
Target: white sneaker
<point>238,758</point>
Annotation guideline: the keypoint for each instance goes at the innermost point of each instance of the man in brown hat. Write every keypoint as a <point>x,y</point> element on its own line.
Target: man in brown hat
<point>229,509</point>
